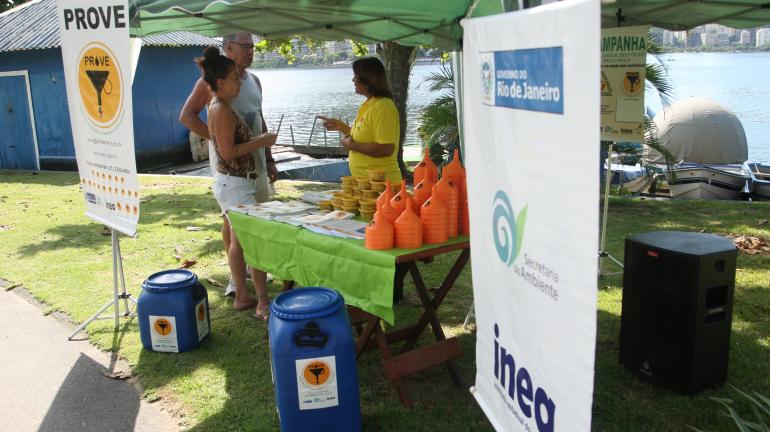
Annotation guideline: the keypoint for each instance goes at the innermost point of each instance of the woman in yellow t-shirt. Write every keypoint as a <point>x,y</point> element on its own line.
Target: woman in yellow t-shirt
<point>373,139</point>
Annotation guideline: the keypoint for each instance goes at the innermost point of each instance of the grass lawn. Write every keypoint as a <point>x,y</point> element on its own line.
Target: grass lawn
<point>64,259</point>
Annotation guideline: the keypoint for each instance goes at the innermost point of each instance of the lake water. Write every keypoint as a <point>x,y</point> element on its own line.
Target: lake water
<point>301,94</point>
<point>738,81</point>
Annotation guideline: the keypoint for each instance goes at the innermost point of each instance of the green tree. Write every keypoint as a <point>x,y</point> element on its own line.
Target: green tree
<point>438,128</point>
<point>398,61</point>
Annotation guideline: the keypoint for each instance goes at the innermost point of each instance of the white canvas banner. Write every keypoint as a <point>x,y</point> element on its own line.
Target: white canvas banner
<point>532,156</point>
<point>624,55</point>
<point>97,70</point>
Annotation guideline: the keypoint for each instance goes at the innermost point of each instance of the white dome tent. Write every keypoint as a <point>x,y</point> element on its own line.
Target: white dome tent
<point>699,130</point>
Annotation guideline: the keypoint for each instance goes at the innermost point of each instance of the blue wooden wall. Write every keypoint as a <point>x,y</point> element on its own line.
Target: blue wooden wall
<point>162,83</point>
<point>49,100</point>
<point>163,80</point>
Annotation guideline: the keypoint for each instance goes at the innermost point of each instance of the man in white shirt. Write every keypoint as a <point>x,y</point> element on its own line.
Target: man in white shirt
<point>240,48</point>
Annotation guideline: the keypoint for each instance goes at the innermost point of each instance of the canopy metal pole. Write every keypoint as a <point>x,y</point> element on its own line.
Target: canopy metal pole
<point>456,59</point>
<point>607,180</point>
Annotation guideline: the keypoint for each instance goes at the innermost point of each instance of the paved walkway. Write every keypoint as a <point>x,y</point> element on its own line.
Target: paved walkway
<point>48,383</point>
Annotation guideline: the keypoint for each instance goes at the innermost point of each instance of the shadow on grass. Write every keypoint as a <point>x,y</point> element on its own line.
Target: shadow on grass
<point>623,401</point>
<point>31,177</point>
<point>177,211</point>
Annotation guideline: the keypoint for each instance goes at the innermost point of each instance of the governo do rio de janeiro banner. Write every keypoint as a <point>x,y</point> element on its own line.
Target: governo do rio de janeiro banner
<point>95,55</point>
<point>531,112</point>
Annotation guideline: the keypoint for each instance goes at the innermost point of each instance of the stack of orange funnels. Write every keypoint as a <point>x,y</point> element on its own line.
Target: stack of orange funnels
<point>387,211</point>
<point>386,195</point>
<point>450,196</point>
<point>426,166</point>
<point>415,207</point>
<point>379,233</point>
<point>408,228</point>
<point>456,172</point>
<point>422,191</point>
<point>398,202</point>
<point>435,227</point>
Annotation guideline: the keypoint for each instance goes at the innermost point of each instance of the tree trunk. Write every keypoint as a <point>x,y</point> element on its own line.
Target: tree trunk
<point>398,61</point>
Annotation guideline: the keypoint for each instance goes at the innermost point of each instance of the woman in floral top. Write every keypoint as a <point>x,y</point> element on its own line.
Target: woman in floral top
<point>234,146</point>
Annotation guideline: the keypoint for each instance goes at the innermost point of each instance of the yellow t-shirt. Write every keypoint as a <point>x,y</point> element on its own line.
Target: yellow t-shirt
<point>376,122</point>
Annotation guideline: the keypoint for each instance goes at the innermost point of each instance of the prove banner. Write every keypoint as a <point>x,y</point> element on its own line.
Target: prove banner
<point>532,155</point>
<point>95,54</point>
<point>624,55</point>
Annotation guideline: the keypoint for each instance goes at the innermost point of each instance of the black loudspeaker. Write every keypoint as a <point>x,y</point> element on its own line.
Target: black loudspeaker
<point>677,308</point>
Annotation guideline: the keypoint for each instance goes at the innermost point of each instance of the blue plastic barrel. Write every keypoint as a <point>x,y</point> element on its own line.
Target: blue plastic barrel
<point>173,311</point>
<point>314,361</point>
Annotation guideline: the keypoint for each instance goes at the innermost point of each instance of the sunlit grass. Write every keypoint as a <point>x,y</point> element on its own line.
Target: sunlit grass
<point>64,259</point>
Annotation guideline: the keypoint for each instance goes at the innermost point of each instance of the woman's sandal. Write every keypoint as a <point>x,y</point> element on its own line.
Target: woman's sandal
<point>263,311</point>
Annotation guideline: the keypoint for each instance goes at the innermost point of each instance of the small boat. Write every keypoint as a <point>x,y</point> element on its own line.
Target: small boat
<point>760,181</point>
<point>632,178</point>
<point>707,181</point>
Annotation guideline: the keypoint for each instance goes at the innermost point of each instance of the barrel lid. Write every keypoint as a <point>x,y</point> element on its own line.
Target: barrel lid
<point>306,303</point>
<point>168,280</point>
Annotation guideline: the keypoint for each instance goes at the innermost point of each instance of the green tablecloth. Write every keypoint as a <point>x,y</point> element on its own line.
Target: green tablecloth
<point>364,277</point>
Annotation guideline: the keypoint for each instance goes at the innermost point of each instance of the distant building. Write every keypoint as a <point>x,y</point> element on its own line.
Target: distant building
<point>745,38</point>
<point>32,78</point>
<point>722,39</point>
<point>708,39</point>
<point>763,37</point>
<point>340,46</point>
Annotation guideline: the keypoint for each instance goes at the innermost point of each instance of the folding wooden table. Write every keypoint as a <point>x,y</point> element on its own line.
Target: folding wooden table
<point>294,255</point>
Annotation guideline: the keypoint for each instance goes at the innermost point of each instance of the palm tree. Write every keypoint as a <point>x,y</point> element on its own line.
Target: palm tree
<point>438,129</point>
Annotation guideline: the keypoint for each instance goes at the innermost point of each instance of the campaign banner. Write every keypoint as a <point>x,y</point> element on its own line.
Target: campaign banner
<point>624,55</point>
<point>95,54</point>
<point>532,158</point>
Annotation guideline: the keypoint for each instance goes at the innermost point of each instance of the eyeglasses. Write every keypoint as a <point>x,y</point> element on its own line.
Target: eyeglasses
<point>246,46</point>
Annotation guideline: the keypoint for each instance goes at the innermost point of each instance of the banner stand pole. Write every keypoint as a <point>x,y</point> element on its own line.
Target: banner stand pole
<point>117,272</point>
<point>603,253</point>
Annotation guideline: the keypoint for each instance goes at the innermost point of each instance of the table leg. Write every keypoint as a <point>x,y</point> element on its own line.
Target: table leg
<point>398,282</point>
<point>373,330</point>
<point>388,361</point>
<point>430,313</point>
<point>446,285</point>
<point>357,317</point>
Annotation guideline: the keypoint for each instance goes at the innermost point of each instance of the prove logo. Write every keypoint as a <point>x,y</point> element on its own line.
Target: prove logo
<point>507,231</point>
<point>163,327</point>
<point>100,85</point>
<point>316,373</point>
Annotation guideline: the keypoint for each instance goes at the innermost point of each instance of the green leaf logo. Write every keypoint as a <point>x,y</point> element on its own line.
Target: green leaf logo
<point>507,231</point>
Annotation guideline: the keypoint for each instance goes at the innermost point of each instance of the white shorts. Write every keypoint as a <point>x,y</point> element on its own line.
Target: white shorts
<point>230,191</point>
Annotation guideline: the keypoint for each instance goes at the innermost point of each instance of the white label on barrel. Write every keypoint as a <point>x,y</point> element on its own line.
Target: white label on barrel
<point>317,383</point>
<point>201,317</point>
<point>163,333</point>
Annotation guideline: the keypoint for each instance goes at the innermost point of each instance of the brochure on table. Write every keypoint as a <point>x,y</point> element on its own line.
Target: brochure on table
<point>335,223</point>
